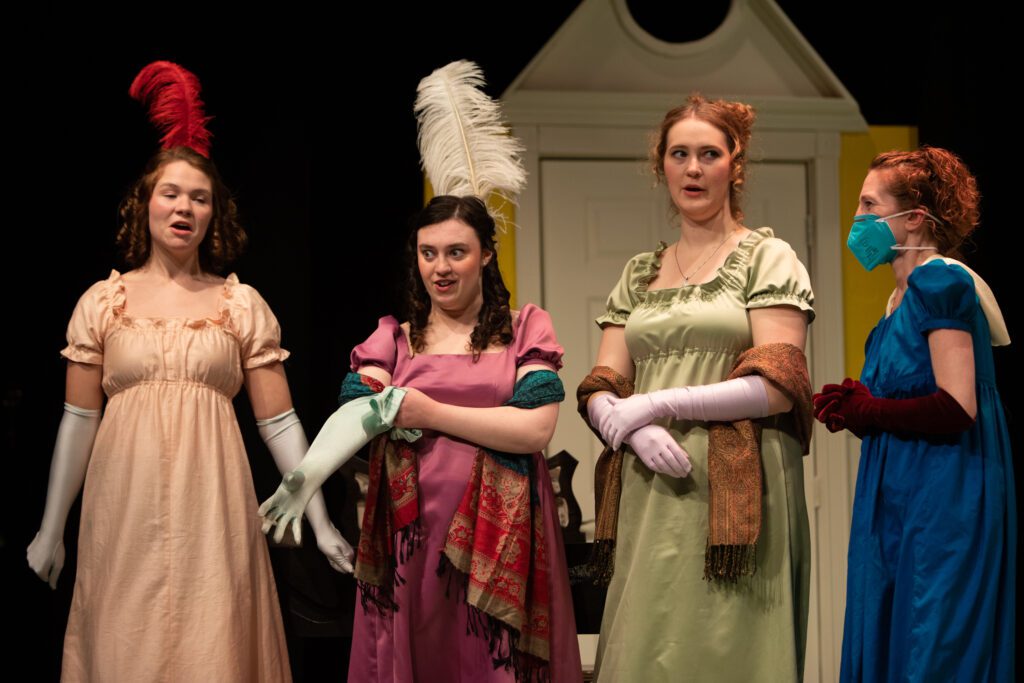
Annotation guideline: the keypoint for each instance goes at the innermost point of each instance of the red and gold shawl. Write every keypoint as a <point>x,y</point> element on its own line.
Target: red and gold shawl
<point>495,549</point>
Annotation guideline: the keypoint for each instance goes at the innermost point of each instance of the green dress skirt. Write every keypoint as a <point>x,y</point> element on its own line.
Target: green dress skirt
<point>662,620</point>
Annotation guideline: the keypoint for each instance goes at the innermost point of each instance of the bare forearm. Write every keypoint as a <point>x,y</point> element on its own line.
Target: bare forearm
<point>952,356</point>
<point>613,352</point>
<point>508,429</point>
<point>785,324</point>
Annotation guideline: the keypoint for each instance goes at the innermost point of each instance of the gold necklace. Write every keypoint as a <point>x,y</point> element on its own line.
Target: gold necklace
<point>686,278</point>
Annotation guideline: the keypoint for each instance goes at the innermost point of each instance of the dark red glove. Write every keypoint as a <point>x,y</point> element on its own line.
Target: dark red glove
<point>851,406</point>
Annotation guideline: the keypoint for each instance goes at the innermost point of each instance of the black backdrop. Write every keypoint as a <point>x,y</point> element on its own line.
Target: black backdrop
<point>314,134</point>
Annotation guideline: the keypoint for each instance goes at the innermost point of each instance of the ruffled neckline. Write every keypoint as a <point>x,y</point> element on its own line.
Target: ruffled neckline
<point>730,272</point>
<point>119,300</point>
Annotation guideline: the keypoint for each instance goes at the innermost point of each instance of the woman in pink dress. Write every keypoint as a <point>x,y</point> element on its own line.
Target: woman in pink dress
<point>461,357</point>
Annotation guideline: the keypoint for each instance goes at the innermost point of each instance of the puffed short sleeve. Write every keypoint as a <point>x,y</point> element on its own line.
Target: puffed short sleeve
<point>778,278</point>
<point>534,342</point>
<point>947,297</point>
<point>258,331</point>
<point>90,321</point>
<point>380,349</point>
<point>639,271</point>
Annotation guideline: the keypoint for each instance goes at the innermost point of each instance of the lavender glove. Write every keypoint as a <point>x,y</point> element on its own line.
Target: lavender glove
<point>734,399</point>
<point>599,410</point>
<point>659,451</point>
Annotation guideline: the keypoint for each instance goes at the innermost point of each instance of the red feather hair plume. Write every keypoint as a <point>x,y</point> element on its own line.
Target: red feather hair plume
<point>172,95</point>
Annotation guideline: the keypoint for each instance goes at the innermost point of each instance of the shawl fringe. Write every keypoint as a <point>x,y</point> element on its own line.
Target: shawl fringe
<point>502,639</point>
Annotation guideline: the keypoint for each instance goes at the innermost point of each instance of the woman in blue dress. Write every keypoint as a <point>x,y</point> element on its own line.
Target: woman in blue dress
<point>930,593</point>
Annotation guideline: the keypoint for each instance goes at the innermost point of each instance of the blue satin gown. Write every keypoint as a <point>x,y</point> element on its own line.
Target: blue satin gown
<point>931,593</point>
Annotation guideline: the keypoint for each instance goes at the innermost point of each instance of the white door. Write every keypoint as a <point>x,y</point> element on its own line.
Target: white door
<point>595,215</point>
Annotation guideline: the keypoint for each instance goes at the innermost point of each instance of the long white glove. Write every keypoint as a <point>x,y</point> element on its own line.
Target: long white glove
<point>287,443</point>
<point>71,456</point>
<point>657,449</point>
<point>734,399</point>
<point>346,431</point>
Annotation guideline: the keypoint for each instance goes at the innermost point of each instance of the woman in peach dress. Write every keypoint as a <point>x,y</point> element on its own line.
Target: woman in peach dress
<point>174,580</point>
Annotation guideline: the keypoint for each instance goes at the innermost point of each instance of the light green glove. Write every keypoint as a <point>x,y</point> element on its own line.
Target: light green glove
<point>286,441</point>
<point>350,428</point>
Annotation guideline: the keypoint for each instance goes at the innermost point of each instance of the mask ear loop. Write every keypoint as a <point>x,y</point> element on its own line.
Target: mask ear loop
<point>897,247</point>
<point>917,210</point>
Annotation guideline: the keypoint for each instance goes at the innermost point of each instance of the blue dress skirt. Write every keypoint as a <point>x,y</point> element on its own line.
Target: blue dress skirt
<point>931,593</point>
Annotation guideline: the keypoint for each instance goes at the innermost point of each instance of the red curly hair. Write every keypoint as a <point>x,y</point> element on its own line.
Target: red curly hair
<point>734,119</point>
<point>936,180</point>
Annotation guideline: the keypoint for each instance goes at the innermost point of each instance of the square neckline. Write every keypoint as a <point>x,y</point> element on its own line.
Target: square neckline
<point>410,354</point>
<point>120,305</point>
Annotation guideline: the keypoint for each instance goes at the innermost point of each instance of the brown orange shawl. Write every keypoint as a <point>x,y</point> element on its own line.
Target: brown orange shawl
<point>734,465</point>
<point>607,478</point>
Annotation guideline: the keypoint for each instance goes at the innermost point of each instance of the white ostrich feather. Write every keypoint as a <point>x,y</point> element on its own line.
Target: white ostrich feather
<point>465,147</point>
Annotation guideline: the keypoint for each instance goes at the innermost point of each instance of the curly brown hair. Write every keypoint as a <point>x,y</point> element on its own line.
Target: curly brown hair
<point>936,180</point>
<point>734,119</point>
<point>225,239</point>
<point>494,322</point>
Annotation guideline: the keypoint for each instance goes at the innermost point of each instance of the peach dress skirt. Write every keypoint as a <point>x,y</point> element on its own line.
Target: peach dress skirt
<point>174,580</point>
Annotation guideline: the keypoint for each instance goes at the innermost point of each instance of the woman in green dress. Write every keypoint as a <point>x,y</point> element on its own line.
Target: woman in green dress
<point>707,334</point>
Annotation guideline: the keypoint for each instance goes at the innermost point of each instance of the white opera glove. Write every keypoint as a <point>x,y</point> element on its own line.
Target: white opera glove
<point>287,443</point>
<point>71,456</point>
<point>735,399</point>
<point>350,428</point>
<point>599,410</point>
<point>657,449</point>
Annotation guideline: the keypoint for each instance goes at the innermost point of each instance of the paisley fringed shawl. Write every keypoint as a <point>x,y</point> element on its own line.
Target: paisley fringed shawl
<point>734,466</point>
<point>494,551</point>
